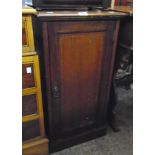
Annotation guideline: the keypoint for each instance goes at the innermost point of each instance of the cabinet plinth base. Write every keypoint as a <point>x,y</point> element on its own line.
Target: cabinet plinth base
<point>74,140</point>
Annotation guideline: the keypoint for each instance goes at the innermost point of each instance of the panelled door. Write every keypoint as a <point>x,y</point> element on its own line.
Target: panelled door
<point>81,59</point>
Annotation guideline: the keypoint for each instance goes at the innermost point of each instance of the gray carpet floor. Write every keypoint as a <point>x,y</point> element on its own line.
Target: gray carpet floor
<point>120,143</point>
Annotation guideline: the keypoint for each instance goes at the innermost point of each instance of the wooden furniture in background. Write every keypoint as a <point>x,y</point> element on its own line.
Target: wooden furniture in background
<point>77,64</point>
<point>130,2</point>
<point>33,134</point>
<point>125,9</point>
<point>27,32</point>
<point>27,36</point>
<point>123,2</point>
<point>124,58</point>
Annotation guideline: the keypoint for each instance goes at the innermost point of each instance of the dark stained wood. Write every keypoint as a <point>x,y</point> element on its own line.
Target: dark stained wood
<point>108,62</point>
<point>27,78</point>
<point>78,58</point>
<point>78,65</point>
<point>81,137</point>
<point>30,130</point>
<point>29,105</point>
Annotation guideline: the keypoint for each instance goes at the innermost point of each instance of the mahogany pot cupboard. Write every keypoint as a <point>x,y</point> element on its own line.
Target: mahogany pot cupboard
<point>76,58</point>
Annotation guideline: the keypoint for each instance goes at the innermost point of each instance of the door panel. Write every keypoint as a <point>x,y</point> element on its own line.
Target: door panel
<point>81,59</point>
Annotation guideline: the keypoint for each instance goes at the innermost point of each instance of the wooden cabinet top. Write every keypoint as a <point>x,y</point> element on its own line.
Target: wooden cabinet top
<point>28,10</point>
<point>69,15</point>
<point>80,13</point>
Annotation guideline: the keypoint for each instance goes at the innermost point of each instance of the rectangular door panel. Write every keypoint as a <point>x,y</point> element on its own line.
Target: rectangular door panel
<point>80,72</point>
